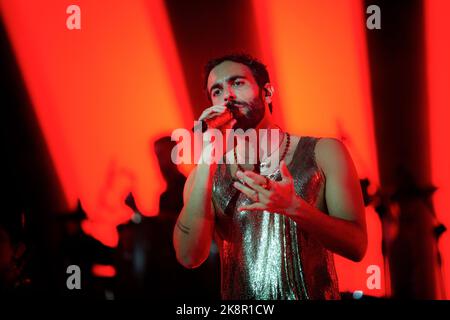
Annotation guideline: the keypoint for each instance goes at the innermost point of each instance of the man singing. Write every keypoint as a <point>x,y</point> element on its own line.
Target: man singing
<point>276,222</point>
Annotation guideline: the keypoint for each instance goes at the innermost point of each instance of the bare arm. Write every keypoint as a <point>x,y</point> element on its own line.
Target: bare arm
<point>343,231</point>
<point>194,228</point>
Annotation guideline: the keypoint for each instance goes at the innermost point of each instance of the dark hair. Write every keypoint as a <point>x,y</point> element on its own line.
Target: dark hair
<point>258,69</point>
<point>164,140</point>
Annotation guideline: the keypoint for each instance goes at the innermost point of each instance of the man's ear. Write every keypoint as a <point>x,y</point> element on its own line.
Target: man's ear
<point>268,92</point>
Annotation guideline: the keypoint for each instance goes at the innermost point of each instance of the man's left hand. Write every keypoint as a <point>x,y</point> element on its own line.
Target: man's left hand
<point>276,196</point>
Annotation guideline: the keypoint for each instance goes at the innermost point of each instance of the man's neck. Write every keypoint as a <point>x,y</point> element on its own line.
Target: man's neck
<point>268,139</point>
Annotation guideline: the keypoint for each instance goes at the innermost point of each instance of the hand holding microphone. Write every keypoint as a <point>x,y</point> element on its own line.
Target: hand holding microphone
<point>218,117</point>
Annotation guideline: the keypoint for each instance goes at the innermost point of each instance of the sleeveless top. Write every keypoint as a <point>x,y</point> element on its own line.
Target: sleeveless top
<point>267,256</point>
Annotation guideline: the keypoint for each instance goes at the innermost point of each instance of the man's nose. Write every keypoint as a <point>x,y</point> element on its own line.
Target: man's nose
<point>229,95</point>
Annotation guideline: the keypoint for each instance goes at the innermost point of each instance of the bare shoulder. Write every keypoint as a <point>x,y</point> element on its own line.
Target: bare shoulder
<point>332,154</point>
<point>330,146</point>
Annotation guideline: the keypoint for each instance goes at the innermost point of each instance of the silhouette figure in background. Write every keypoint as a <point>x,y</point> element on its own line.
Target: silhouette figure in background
<point>171,200</point>
<point>78,248</point>
<point>13,277</point>
<point>147,265</point>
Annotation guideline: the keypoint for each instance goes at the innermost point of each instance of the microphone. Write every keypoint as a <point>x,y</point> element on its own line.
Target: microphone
<point>204,123</point>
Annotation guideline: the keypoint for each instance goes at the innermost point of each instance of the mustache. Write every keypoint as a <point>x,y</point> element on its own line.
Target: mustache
<point>235,105</point>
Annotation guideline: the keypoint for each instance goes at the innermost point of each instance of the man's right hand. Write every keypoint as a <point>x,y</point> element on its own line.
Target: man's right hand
<point>217,117</point>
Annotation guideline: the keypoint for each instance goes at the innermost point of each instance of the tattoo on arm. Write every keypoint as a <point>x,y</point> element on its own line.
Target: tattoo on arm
<point>183,228</point>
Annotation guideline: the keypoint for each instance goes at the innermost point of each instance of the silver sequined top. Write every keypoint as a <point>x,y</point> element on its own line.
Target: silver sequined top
<point>268,256</point>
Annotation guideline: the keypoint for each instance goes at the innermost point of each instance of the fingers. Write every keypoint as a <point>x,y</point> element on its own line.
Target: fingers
<point>213,111</point>
<point>285,174</point>
<point>252,183</point>
<point>256,177</point>
<point>253,207</point>
<point>250,193</point>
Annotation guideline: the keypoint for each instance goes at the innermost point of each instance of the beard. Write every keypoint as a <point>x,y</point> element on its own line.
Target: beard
<point>248,114</point>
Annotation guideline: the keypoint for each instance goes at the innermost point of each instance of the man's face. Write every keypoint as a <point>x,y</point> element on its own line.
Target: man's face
<point>232,81</point>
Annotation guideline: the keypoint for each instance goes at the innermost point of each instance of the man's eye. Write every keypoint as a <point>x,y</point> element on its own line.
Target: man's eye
<point>215,93</point>
<point>238,83</point>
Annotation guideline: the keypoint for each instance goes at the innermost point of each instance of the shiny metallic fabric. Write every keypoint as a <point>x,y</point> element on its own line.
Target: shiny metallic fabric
<point>267,256</point>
